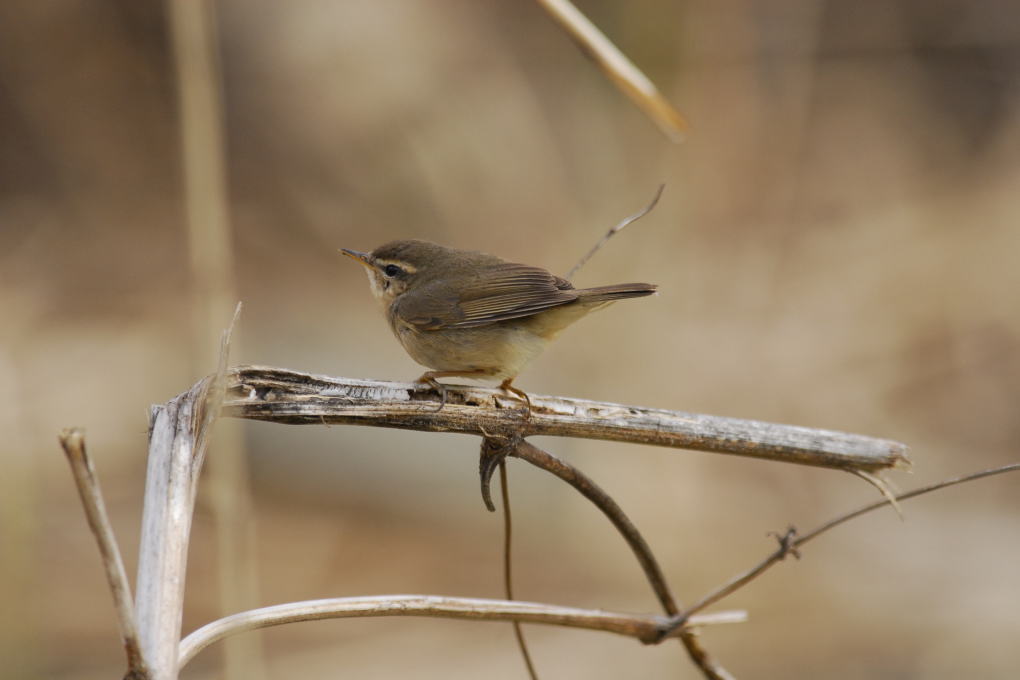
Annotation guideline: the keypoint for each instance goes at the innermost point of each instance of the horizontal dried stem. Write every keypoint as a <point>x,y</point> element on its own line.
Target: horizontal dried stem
<point>643,627</point>
<point>285,396</point>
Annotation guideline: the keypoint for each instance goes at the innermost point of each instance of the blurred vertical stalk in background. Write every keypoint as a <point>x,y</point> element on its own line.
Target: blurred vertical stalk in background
<point>193,30</point>
<point>19,527</point>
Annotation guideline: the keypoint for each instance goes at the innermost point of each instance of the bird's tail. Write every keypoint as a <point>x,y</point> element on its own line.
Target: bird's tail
<point>618,292</point>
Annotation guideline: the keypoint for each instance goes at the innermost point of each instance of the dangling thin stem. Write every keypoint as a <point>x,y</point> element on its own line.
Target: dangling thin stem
<point>507,580</point>
<point>619,227</point>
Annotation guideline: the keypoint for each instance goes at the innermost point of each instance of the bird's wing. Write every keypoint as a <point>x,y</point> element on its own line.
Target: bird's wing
<point>498,292</point>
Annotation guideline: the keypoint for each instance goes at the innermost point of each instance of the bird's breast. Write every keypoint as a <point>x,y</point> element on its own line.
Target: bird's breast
<point>501,350</point>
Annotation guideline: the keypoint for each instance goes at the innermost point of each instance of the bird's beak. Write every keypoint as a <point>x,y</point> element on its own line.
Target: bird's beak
<point>362,258</point>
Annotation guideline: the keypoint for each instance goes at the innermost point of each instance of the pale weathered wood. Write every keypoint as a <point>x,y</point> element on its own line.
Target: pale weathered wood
<point>641,626</point>
<point>285,396</point>
<point>179,435</point>
<point>170,483</point>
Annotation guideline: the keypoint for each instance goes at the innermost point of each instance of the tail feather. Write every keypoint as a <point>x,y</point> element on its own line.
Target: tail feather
<point>618,292</point>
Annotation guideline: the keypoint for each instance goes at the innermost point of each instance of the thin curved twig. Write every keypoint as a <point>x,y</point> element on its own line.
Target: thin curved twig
<point>642,627</point>
<point>789,542</point>
<point>884,488</point>
<point>610,508</point>
<point>612,232</point>
<point>522,645</point>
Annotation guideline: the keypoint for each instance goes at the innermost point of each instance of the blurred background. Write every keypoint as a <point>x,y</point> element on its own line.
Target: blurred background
<point>838,246</point>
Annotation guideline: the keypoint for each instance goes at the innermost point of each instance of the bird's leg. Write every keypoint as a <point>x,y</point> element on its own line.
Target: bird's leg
<point>431,378</point>
<point>508,386</point>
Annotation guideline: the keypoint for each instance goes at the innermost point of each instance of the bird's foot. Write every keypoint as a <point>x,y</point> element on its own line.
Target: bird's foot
<point>431,382</point>
<point>521,394</point>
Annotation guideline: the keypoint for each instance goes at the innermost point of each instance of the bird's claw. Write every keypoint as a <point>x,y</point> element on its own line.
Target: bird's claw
<point>431,383</point>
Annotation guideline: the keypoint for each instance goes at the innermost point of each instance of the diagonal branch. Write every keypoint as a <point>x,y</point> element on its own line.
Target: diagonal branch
<point>618,68</point>
<point>285,396</point>
<point>611,509</point>
<point>789,542</point>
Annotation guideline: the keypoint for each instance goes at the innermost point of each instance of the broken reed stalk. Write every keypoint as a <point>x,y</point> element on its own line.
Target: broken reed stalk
<point>284,396</point>
<point>179,434</point>
<point>175,459</point>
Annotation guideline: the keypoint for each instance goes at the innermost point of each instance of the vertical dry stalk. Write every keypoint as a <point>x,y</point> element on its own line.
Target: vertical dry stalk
<point>209,246</point>
<point>21,498</point>
<point>175,458</point>
<point>179,434</point>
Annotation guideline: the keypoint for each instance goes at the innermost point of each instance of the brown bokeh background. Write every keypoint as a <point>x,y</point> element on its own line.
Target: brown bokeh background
<point>838,246</point>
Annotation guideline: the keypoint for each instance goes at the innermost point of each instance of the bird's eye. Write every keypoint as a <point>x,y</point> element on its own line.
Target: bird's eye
<point>392,270</point>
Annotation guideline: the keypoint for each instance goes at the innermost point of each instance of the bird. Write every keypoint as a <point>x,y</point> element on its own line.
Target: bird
<point>469,314</point>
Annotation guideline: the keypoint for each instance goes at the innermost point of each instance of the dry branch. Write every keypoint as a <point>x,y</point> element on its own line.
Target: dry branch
<point>790,541</point>
<point>179,436</point>
<point>285,396</point>
<point>646,558</point>
<point>611,509</point>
